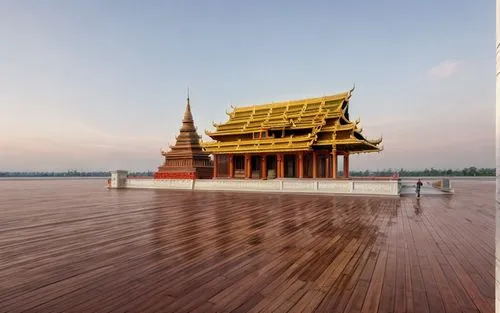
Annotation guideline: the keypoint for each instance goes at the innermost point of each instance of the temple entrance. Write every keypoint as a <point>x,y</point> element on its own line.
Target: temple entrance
<point>340,166</point>
<point>222,166</point>
<point>308,165</point>
<point>266,166</point>
<point>239,166</point>
<point>255,166</point>
<point>322,166</point>
<point>290,166</point>
<point>271,162</point>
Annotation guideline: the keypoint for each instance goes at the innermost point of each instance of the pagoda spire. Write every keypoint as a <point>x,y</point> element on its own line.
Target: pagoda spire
<point>188,138</point>
<point>187,121</point>
<point>186,159</point>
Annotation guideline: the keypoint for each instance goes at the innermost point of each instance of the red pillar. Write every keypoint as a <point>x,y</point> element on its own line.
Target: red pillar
<point>278,165</point>
<point>263,165</point>
<point>215,165</point>
<point>231,166</point>
<point>346,164</point>
<point>301,164</point>
<point>282,165</point>
<point>334,164</point>
<point>247,166</point>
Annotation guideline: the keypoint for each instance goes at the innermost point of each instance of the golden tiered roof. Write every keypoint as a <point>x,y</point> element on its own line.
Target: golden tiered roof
<point>315,122</point>
<point>286,144</point>
<point>296,114</point>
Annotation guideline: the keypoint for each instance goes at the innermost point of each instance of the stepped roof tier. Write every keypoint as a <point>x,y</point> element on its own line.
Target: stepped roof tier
<point>288,126</point>
<point>187,143</point>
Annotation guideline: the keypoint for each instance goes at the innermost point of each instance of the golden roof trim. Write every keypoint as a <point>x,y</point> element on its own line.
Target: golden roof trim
<point>262,141</point>
<point>333,97</point>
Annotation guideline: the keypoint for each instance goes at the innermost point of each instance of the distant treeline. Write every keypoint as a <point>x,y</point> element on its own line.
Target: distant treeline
<point>468,171</point>
<point>73,173</point>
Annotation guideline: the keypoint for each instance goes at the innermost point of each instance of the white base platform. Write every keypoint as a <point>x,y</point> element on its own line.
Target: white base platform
<point>320,186</point>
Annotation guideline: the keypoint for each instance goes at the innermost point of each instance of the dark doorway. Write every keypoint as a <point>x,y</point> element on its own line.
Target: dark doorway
<point>290,166</point>
<point>239,166</point>
<point>255,166</point>
<point>271,166</point>
<point>308,165</point>
<point>322,166</point>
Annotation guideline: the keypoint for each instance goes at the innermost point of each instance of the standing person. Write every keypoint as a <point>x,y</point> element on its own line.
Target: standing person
<point>419,184</point>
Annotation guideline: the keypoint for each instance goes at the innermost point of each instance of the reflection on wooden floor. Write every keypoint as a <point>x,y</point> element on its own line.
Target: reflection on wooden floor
<point>76,247</point>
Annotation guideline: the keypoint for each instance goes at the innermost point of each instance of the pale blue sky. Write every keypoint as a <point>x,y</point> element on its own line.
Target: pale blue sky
<point>102,84</point>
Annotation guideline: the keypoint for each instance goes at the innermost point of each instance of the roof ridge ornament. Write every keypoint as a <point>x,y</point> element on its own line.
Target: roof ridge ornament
<point>351,90</point>
<point>375,141</point>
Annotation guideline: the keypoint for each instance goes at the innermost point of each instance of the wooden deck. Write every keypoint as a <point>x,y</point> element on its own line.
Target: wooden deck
<point>73,246</point>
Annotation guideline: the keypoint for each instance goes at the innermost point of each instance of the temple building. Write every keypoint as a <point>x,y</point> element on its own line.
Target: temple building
<point>301,139</point>
<point>186,159</point>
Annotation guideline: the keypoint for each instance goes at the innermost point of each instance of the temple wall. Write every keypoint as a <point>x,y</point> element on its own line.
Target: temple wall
<point>205,172</point>
<point>186,184</point>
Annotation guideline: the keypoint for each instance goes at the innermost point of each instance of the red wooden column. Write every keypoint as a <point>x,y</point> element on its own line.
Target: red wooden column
<point>231,166</point>
<point>263,165</point>
<point>346,164</point>
<point>315,164</point>
<point>247,166</point>
<point>215,165</point>
<point>301,164</point>
<point>335,166</point>
<point>282,165</point>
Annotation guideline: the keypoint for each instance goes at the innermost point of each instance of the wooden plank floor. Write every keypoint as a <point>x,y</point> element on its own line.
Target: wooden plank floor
<point>73,246</point>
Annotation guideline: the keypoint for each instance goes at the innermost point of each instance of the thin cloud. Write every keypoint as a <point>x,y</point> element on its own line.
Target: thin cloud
<point>446,69</point>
